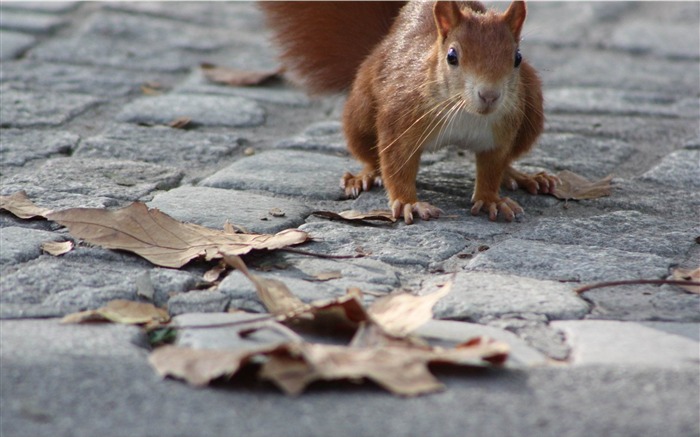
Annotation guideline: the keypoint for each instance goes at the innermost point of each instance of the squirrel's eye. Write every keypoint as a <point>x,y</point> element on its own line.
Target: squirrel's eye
<point>452,56</point>
<point>518,58</point>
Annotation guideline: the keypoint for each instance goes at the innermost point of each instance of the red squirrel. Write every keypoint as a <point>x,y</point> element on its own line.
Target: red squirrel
<point>420,75</point>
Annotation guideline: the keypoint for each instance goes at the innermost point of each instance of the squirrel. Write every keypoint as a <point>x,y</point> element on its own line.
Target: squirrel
<point>421,74</point>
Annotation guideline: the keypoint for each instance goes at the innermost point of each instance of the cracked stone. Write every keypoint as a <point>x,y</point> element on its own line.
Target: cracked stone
<point>27,109</point>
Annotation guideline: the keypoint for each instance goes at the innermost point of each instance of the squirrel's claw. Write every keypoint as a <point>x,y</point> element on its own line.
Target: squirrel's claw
<point>354,185</point>
<point>505,206</point>
<point>424,210</point>
<point>540,183</point>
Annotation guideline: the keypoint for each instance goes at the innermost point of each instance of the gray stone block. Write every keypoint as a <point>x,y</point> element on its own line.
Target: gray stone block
<point>400,245</point>
<point>200,301</point>
<point>31,23</point>
<point>46,7</point>
<point>680,169</point>
<point>17,147</point>
<point>630,231</point>
<point>644,303</point>
<point>166,283</point>
<point>477,295</point>
<point>135,42</point>
<point>162,145</point>
<point>212,207</point>
<point>674,40</point>
<point>33,75</point>
<point>650,199</point>
<point>91,178</point>
<point>309,175</point>
<point>25,109</point>
<point>21,245</point>
<point>568,263</point>
<point>326,136</point>
<point>570,100</point>
<point>14,44</point>
<point>589,156</point>
<point>299,276</point>
<point>202,110</point>
<point>651,344</point>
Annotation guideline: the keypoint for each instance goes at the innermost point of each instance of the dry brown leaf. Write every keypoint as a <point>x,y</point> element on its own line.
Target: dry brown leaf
<point>20,205</point>
<point>215,272</point>
<point>400,314</point>
<point>198,366</point>
<point>690,276</point>
<point>57,248</point>
<point>180,123</point>
<point>327,276</point>
<point>276,297</point>
<point>236,77</point>
<point>576,187</point>
<point>161,239</point>
<point>357,216</point>
<point>121,311</point>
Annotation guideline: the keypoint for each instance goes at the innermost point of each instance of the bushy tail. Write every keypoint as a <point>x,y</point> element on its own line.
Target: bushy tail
<point>322,44</point>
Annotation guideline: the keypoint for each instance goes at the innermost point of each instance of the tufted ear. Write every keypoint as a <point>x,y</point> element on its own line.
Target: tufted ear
<point>515,17</point>
<point>447,16</point>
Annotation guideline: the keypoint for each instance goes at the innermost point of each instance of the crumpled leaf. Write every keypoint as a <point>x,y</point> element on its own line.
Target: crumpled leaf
<point>401,314</point>
<point>161,239</point>
<point>180,123</point>
<point>327,276</point>
<point>690,276</point>
<point>576,187</point>
<point>20,205</point>
<point>200,366</point>
<point>236,77</point>
<point>57,248</point>
<point>358,216</point>
<point>121,311</point>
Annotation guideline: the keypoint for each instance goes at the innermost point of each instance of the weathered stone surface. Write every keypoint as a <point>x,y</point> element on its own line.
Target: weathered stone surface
<point>306,174</point>
<point>680,169</point>
<point>20,146</point>
<point>48,7</point>
<point>535,331</point>
<point>163,283</point>
<point>225,337</point>
<point>644,303</point>
<point>323,136</point>
<point>32,109</point>
<point>453,332</point>
<point>31,23</point>
<point>81,279</point>
<point>212,207</point>
<point>134,42</point>
<point>202,110</point>
<point>619,102</point>
<point>568,263</point>
<point>197,84</point>
<point>476,295</point>
<point>160,144</point>
<point>674,40</point>
<point>201,301</point>
<point>588,156</point>
<point>14,44</point>
<point>21,245</point>
<point>657,344</point>
<point>399,245</point>
<point>299,276</point>
<point>33,75</point>
<point>650,199</point>
<point>625,230</point>
<point>78,179</point>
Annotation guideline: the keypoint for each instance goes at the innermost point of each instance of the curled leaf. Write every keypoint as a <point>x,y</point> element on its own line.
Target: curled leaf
<point>20,205</point>
<point>57,248</point>
<point>690,276</point>
<point>357,216</point>
<point>161,239</point>
<point>121,311</point>
<point>237,77</point>
<point>576,187</point>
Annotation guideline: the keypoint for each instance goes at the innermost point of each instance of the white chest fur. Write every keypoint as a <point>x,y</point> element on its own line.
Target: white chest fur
<point>465,130</point>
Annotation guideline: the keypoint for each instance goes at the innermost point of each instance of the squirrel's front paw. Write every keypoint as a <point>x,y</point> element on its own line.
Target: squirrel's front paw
<point>540,183</point>
<point>424,210</point>
<point>504,206</point>
<point>354,185</point>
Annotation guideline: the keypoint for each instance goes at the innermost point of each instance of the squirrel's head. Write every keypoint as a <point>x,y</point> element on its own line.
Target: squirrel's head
<point>478,54</point>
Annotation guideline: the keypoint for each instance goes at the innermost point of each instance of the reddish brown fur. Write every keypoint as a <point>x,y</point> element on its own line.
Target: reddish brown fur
<point>397,101</point>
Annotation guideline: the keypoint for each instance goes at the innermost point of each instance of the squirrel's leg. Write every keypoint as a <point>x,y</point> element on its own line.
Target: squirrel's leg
<point>540,183</point>
<point>399,164</point>
<point>360,132</point>
<point>490,168</point>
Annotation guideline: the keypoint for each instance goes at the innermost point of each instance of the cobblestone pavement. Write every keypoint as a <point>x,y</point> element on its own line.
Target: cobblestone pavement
<point>87,92</point>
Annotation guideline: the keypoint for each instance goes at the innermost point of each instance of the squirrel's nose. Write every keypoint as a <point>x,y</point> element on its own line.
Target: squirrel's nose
<point>489,97</point>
